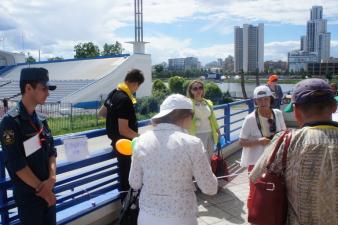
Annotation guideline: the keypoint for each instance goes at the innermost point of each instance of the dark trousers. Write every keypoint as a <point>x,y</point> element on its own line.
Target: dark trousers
<point>123,163</point>
<point>34,210</point>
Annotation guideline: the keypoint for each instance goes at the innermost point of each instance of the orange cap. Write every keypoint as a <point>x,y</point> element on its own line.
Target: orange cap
<point>273,78</point>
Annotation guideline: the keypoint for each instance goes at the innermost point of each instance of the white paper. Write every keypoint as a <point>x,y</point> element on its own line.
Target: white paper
<point>76,148</point>
<point>32,145</point>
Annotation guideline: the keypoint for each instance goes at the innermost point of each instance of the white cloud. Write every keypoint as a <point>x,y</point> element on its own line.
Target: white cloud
<point>55,26</point>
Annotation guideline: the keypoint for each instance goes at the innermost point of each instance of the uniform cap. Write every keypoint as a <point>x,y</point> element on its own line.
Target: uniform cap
<point>36,74</point>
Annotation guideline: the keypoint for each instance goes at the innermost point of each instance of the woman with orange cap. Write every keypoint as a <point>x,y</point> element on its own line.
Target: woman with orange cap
<point>276,91</point>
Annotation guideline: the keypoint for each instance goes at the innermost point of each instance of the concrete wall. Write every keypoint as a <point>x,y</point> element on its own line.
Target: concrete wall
<point>101,88</point>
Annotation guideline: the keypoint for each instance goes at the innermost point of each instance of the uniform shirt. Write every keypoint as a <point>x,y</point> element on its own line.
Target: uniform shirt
<point>311,174</point>
<point>250,130</point>
<point>164,162</point>
<point>119,106</point>
<point>16,128</point>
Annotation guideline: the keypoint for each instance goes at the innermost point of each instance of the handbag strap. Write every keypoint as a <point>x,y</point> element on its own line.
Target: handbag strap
<point>286,148</point>
<point>274,153</point>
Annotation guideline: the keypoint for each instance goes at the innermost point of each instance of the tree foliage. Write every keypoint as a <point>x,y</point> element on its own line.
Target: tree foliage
<point>30,59</point>
<point>176,85</point>
<point>213,92</point>
<point>112,49</point>
<point>160,90</point>
<point>55,58</point>
<point>86,50</point>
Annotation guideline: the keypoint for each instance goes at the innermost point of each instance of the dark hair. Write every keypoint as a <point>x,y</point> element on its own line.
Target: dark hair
<point>317,108</point>
<point>189,93</point>
<point>134,76</point>
<point>173,117</point>
<point>23,84</point>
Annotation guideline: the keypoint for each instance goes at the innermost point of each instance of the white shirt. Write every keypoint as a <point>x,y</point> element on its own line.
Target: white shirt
<point>164,162</point>
<point>202,114</point>
<point>250,130</point>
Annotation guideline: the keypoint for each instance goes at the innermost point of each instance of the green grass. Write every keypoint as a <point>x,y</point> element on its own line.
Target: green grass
<point>65,125</point>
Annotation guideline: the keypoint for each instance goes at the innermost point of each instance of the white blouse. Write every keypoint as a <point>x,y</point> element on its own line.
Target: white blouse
<point>164,162</point>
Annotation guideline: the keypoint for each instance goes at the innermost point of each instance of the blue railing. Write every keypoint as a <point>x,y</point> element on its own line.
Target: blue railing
<point>87,185</point>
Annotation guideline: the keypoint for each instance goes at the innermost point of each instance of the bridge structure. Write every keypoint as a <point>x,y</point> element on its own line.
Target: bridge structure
<point>87,190</point>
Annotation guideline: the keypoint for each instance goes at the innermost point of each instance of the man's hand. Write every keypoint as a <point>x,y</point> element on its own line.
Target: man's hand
<point>45,192</point>
<point>264,141</point>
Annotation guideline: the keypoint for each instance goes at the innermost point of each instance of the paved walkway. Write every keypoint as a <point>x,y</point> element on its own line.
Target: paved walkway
<point>228,206</point>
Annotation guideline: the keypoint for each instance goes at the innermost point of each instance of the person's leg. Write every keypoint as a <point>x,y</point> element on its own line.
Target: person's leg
<point>251,185</point>
<point>207,141</point>
<point>124,168</point>
<point>31,211</point>
<point>50,215</point>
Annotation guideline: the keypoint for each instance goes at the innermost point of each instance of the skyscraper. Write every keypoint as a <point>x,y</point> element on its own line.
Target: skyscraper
<point>318,39</point>
<point>249,48</point>
<point>315,46</point>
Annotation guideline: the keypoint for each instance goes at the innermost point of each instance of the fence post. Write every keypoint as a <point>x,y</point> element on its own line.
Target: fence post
<point>227,123</point>
<point>96,114</point>
<point>3,193</point>
<point>71,116</point>
<point>251,105</point>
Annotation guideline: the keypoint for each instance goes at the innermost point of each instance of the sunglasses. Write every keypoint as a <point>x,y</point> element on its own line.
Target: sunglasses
<point>197,88</point>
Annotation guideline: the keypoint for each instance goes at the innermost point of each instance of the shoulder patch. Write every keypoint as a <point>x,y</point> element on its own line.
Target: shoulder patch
<point>8,137</point>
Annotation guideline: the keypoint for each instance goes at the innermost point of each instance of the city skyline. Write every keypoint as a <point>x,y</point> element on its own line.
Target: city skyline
<point>197,28</point>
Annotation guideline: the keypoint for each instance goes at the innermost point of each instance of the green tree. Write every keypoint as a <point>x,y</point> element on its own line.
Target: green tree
<point>86,50</point>
<point>176,85</point>
<point>159,68</point>
<point>112,49</point>
<point>243,84</point>
<point>159,90</point>
<point>213,92</point>
<point>30,59</point>
<point>55,58</point>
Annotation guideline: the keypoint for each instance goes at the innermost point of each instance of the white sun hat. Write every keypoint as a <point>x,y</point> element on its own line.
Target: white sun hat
<point>262,91</point>
<point>172,102</point>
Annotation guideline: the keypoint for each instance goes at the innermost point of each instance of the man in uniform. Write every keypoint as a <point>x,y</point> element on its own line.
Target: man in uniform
<point>121,122</point>
<point>29,151</point>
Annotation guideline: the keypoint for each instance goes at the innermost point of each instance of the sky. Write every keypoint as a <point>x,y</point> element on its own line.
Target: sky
<point>173,28</point>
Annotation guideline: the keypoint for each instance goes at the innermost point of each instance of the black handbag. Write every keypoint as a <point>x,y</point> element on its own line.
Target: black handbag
<point>130,208</point>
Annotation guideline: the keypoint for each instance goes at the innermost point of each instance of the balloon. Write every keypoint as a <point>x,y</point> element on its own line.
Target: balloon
<point>133,143</point>
<point>123,146</point>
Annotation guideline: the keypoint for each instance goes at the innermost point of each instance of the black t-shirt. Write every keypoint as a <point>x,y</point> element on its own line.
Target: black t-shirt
<point>119,106</point>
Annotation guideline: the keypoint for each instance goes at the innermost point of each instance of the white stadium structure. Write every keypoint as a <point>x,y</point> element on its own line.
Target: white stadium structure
<point>77,80</point>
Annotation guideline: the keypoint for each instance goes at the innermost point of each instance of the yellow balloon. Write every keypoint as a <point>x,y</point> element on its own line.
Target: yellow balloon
<point>123,146</point>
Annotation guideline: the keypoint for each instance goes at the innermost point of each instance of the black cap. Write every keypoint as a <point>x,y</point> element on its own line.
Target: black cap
<point>37,74</point>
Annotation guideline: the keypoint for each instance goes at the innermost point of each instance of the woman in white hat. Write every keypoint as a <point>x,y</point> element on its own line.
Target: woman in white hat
<point>259,127</point>
<point>164,162</point>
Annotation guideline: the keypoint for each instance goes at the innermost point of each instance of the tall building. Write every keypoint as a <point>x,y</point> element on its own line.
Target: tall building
<point>189,63</point>
<point>318,39</point>
<point>238,59</point>
<point>315,45</point>
<point>249,48</point>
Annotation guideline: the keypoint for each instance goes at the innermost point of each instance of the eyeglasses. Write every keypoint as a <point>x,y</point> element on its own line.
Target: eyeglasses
<point>272,125</point>
<point>197,88</point>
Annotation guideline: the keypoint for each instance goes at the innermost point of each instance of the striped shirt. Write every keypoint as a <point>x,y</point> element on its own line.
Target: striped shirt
<point>311,174</point>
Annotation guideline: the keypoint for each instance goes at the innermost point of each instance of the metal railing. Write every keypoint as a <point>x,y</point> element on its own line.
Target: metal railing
<point>83,181</point>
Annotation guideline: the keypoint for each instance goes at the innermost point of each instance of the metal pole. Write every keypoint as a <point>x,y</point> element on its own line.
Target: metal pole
<point>3,193</point>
